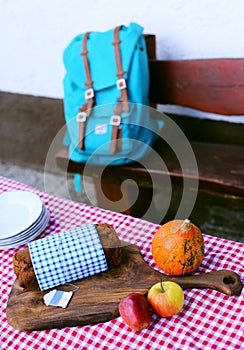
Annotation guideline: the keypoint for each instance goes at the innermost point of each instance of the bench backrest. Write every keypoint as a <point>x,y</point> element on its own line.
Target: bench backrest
<point>209,85</point>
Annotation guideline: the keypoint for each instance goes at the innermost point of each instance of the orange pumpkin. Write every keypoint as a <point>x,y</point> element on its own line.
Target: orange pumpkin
<point>178,247</point>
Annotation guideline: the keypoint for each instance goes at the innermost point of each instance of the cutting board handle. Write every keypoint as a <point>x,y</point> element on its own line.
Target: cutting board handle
<point>224,281</point>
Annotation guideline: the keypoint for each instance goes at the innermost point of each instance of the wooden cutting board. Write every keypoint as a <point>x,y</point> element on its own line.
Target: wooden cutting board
<point>98,297</point>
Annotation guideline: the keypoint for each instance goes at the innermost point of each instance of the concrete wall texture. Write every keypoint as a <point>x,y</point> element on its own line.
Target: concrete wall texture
<point>35,33</point>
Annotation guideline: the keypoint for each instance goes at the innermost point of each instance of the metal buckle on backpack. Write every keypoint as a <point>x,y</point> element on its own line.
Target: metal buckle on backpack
<point>121,84</point>
<point>89,93</point>
<point>115,120</point>
<point>81,117</point>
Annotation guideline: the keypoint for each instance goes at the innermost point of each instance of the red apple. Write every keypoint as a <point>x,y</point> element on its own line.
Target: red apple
<point>166,298</point>
<point>135,311</point>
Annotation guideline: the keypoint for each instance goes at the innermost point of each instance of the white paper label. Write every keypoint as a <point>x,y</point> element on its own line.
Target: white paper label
<point>57,298</point>
<point>101,129</point>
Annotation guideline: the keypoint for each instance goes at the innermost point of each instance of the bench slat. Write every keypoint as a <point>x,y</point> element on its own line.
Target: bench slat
<point>220,167</point>
<point>210,85</point>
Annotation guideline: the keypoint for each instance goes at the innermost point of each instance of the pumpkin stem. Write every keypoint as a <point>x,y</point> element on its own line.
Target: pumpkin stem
<point>162,286</point>
<point>186,226</point>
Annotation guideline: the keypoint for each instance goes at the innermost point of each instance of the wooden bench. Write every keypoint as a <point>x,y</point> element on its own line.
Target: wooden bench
<point>209,85</point>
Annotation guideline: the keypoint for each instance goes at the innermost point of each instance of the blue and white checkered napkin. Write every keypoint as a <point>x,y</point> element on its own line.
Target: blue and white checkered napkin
<point>68,256</point>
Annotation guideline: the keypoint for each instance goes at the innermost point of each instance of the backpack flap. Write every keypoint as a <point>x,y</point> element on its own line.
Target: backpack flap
<point>101,56</point>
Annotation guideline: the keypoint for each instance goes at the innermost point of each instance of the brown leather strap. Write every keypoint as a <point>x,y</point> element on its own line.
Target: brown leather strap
<point>122,106</point>
<point>113,141</point>
<point>116,130</point>
<point>84,54</point>
<point>82,128</point>
<point>87,107</point>
<point>120,72</point>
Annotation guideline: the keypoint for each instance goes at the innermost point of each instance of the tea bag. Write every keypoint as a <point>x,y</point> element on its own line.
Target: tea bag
<point>58,298</point>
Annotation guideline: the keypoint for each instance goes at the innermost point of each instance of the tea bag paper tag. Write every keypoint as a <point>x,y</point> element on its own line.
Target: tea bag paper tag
<point>57,298</point>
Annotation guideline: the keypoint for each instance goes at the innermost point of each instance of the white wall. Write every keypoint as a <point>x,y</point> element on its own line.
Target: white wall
<point>35,32</point>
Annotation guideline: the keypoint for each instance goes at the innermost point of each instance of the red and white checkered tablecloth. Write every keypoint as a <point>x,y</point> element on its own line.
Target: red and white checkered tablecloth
<point>209,319</point>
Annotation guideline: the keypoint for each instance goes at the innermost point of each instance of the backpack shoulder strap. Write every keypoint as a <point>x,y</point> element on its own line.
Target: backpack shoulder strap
<point>84,54</point>
<point>122,105</point>
<point>85,110</point>
<point>121,84</point>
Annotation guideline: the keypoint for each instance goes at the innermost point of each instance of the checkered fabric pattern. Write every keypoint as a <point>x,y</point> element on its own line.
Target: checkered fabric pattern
<point>209,319</point>
<point>67,256</point>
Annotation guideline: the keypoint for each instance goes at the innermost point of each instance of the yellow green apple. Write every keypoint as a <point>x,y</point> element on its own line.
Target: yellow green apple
<point>166,298</point>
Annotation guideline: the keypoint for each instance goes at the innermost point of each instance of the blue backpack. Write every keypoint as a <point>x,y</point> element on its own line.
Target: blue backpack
<point>106,103</point>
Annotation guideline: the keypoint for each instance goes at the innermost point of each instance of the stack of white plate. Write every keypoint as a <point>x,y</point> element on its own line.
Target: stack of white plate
<point>23,216</point>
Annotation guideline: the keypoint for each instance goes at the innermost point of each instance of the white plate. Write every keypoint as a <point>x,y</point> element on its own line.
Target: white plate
<point>29,236</point>
<point>18,211</point>
<point>27,231</point>
<point>33,228</point>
